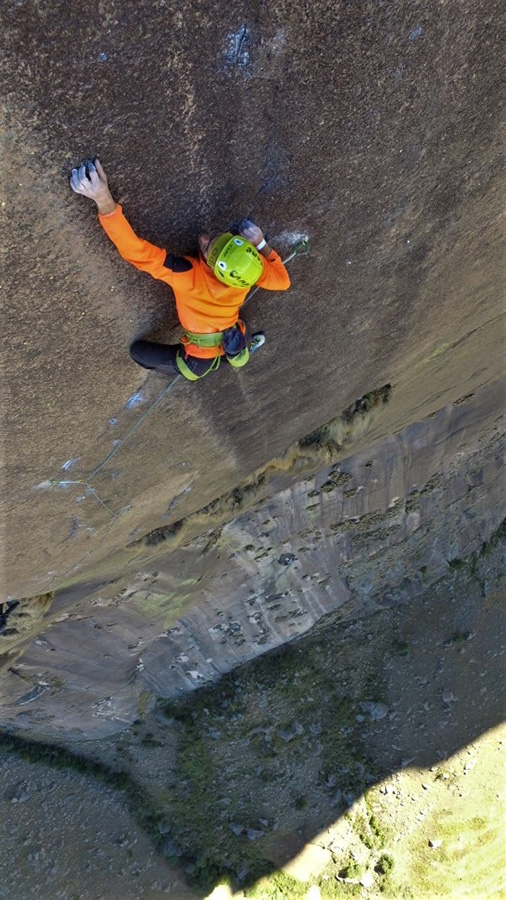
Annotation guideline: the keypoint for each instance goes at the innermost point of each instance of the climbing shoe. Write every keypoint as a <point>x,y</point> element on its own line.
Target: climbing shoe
<point>257,341</point>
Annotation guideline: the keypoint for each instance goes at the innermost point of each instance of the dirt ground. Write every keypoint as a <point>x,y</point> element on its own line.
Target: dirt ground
<point>66,837</point>
<point>340,766</point>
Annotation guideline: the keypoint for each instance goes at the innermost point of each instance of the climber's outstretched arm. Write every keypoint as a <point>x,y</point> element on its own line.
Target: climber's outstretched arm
<point>90,180</point>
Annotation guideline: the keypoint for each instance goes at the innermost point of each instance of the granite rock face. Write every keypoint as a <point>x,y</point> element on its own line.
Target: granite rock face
<point>374,131</point>
<point>374,530</point>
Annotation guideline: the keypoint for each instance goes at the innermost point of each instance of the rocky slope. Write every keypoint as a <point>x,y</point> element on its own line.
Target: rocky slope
<point>364,760</point>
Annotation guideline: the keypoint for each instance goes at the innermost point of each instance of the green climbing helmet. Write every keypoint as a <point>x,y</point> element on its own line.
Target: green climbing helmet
<point>235,261</point>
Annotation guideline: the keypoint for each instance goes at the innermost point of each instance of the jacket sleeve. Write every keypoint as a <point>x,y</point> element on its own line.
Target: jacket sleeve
<point>274,277</point>
<point>135,250</point>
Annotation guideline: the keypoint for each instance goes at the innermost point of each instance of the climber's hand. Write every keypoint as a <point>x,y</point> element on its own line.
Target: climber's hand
<point>90,180</point>
<point>251,232</point>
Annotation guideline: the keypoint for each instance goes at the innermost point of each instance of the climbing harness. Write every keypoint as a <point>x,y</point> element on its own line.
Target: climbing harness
<point>215,339</point>
<point>226,344</point>
<point>187,372</point>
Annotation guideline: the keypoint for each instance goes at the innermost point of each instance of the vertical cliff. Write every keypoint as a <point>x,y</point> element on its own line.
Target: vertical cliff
<point>373,129</point>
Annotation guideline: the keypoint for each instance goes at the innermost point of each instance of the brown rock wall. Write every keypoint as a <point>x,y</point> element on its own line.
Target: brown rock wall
<point>372,128</point>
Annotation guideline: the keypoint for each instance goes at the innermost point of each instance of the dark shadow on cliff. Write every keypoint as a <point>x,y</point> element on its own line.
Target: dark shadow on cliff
<point>278,750</point>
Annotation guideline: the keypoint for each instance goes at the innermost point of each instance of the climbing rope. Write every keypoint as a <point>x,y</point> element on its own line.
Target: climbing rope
<point>135,427</point>
<point>119,445</point>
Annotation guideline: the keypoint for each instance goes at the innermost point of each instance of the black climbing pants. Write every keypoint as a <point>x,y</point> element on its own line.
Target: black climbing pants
<point>162,357</point>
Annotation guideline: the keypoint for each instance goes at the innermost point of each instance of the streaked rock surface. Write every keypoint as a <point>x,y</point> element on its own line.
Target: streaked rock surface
<point>375,529</point>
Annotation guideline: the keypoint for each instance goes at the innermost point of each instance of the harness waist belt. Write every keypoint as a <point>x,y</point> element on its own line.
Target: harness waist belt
<point>203,340</point>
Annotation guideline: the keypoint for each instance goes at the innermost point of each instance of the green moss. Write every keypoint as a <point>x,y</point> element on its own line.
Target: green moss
<point>352,870</point>
<point>301,683</point>
<point>385,864</point>
<point>149,741</point>
<point>277,887</point>
<point>496,538</point>
<point>432,484</point>
<point>460,637</point>
<point>436,353</point>
<point>369,830</point>
<point>339,478</point>
<point>376,828</point>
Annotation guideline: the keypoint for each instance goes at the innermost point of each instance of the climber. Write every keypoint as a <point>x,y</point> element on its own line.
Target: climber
<point>209,290</point>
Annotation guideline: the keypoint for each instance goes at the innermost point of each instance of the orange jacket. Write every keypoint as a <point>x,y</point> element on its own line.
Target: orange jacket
<point>204,305</point>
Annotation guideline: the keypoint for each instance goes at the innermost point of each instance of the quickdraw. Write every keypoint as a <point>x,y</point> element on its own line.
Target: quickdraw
<point>302,247</point>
